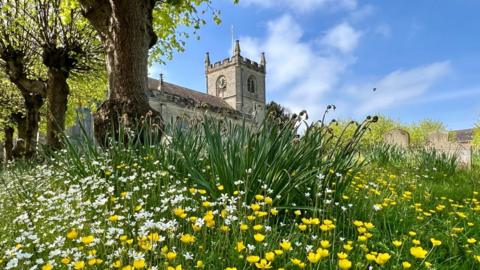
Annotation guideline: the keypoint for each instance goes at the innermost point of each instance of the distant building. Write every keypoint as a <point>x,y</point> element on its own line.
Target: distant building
<point>463,136</point>
<point>235,88</point>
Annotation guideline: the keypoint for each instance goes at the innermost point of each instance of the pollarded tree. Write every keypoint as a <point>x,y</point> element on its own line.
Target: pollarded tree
<point>17,56</point>
<point>128,30</point>
<point>88,90</point>
<point>62,41</point>
<point>12,114</point>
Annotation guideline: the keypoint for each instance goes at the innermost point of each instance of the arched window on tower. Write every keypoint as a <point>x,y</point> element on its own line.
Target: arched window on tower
<point>251,84</point>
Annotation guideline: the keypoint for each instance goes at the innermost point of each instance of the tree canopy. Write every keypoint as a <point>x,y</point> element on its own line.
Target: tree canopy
<point>134,33</point>
<point>277,112</point>
<point>43,43</point>
<point>418,131</point>
<point>11,103</point>
<point>173,22</point>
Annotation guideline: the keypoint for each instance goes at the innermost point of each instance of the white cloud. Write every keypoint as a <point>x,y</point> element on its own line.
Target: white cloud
<point>449,96</point>
<point>303,5</point>
<point>396,88</point>
<point>294,63</point>
<point>303,73</point>
<point>342,37</point>
<point>301,69</point>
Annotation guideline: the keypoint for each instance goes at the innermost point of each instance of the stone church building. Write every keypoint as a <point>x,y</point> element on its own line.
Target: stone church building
<point>235,88</point>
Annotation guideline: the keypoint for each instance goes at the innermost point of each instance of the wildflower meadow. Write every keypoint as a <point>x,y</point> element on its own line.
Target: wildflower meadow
<point>218,195</point>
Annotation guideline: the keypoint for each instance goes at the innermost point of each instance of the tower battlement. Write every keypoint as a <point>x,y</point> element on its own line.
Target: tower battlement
<point>238,81</point>
<point>236,59</point>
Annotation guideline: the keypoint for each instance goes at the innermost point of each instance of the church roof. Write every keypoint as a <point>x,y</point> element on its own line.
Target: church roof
<point>188,97</point>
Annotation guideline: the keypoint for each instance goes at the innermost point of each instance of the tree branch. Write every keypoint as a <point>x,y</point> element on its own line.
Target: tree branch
<point>15,70</point>
<point>98,12</point>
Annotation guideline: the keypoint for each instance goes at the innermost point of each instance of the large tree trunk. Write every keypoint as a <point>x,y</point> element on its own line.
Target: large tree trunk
<point>9,143</point>
<point>126,31</point>
<point>57,97</point>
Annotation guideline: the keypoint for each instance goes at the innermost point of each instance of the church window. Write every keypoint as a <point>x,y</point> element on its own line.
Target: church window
<point>251,84</point>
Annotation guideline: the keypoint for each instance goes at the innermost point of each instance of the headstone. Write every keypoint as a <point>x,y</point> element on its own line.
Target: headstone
<point>397,137</point>
<point>83,125</point>
<point>438,138</point>
<point>463,152</point>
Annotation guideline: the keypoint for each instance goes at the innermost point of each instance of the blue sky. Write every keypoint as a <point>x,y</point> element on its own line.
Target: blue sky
<point>422,56</point>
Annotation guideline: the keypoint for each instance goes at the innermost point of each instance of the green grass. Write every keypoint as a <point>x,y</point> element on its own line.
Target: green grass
<point>215,181</point>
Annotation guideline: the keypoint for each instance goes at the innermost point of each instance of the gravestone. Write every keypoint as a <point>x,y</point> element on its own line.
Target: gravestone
<point>463,152</point>
<point>397,137</point>
<point>438,138</point>
<point>83,125</point>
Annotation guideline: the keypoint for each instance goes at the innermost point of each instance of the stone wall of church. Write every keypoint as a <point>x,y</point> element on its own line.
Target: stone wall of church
<point>171,112</point>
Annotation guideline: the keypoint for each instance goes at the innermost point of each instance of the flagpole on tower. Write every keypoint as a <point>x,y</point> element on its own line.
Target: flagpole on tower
<point>233,36</point>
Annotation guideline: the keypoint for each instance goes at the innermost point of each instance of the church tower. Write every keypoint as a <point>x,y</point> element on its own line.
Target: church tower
<point>240,82</point>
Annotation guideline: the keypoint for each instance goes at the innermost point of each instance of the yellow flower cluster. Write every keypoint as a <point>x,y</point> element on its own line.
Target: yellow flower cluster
<point>383,220</point>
